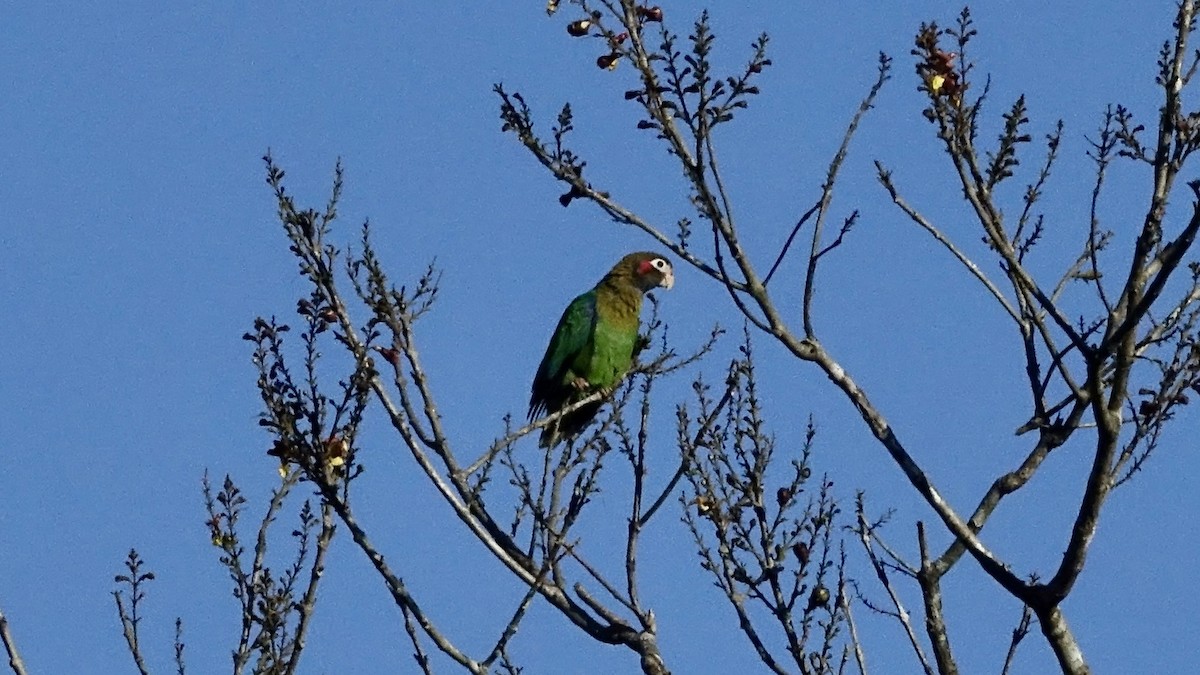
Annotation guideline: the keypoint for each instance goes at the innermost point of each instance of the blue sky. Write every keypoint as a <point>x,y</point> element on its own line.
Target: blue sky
<point>139,244</point>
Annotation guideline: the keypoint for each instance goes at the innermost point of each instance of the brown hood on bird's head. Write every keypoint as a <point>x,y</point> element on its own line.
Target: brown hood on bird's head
<point>645,269</point>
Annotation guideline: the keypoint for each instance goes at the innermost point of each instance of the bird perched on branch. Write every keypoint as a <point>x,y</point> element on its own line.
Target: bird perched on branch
<point>593,346</point>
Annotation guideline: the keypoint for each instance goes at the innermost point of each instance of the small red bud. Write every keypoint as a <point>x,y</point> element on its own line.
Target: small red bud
<point>783,496</point>
<point>801,551</point>
<point>654,13</point>
<point>392,356</point>
<point>620,37</point>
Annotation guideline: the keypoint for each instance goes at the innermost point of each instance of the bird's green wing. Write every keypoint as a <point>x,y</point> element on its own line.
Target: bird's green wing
<point>570,339</point>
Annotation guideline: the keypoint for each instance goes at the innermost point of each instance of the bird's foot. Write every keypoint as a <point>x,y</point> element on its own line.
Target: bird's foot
<point>641,344</point>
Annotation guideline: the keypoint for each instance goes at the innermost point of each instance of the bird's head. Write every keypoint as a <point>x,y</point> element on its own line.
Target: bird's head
<point>648,270</point>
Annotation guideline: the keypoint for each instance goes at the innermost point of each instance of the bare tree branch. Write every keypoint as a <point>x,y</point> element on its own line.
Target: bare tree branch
<point>860,658</point>
<point>883,72</point>
<point>419,654</point>
<point>935,621</point>
<point>10,648</point>
<point>130,618</point>
<point>180,668</point>
<point>307,606</point>
<point>866,535</point>
<point>885,177</point>
<point>397,588</point>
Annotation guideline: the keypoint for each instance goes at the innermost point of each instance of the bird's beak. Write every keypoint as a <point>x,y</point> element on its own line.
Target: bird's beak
<point>668,279</point>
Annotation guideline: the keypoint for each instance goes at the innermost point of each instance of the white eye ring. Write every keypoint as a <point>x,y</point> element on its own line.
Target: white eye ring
<point>660,264</point>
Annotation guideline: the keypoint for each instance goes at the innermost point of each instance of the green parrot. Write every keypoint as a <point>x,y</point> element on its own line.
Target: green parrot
<point>592,348</point>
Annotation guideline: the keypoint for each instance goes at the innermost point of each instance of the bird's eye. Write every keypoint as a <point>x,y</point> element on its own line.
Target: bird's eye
<point>659,264</point>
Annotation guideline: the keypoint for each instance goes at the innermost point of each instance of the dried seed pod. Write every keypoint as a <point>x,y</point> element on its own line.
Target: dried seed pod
<point>818,598</point>
<point>608,61</point>
<point>709,508</point>
<point>572,194</point>
<point>579,28</point>
<point>282,449</point>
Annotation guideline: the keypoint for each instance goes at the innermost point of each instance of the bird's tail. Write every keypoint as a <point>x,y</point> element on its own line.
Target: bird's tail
<point>569,426</point>
<point>549,437</point>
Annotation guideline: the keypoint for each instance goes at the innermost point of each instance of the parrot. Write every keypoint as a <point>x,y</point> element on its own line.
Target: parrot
<point>593,346</point>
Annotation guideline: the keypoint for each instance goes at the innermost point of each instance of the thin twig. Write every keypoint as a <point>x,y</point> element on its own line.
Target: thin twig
<point>569,549</point>
<point>686,460</point>
<point>180,668</point>
<point>528,429</point>
<point>419,654</point>
<point>510,629</point>
<point>307,606</point>
<point>835,165</point>
<point>885,177</point>
<point>787,244</point>
<point>859,656</point>
<point>1018,634</point>
<point>129,630</point>
<point>395,585</point>
<point>10,647</point>
<point>865,535</point>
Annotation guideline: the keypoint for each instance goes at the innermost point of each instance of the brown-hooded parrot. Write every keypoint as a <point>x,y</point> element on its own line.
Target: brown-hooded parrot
<point>592,348</point>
